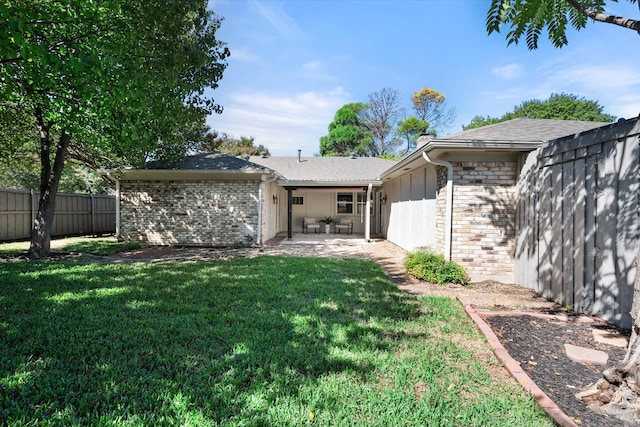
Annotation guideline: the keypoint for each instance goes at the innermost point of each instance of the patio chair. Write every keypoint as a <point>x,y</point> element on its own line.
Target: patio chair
<point>310,224</point>
<point>344,224</point>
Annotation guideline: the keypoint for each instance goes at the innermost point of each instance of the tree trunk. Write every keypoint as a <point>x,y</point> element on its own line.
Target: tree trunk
<point>618,392</point>
<point>49,183</point>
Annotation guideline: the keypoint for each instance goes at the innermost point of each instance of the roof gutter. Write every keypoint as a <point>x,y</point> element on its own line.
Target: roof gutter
<point>449,209</point>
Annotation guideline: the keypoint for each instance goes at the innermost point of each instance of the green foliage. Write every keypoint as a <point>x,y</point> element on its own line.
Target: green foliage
<point>106,84</point>
<point>283,341</point>
<point>389,156</point>
<point>529,18</point>
<point>74,179</point>
<point>433,268</point>
<point>558,107</point>
<point>347,132</point>
<point>328,220</point>
<point>225,143</point>
<point>410,129</point>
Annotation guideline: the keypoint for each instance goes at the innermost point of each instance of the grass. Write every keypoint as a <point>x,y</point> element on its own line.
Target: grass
<point>284,341</point>
<point>96,246</point>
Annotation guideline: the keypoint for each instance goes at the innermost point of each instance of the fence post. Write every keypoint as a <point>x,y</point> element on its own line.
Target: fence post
<point>33,210</point>
<point>93,215</point>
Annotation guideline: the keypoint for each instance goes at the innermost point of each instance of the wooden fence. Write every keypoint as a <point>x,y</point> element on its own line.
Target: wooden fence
<point>76,214</point>
<point>577,220</point>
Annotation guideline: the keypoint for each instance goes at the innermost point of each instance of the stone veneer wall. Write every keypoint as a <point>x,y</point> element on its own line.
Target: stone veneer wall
<point>193,213</point>
<point>483,223</point>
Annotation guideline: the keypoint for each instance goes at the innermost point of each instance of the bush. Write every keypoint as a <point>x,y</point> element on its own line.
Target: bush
<point>432,267</point>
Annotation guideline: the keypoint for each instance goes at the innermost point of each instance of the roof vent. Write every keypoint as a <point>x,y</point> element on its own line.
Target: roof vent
<point>299,155</point>
<point>244,156</point>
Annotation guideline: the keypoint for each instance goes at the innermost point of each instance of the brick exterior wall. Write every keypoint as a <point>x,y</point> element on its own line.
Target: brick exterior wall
<point>191,213</point>
<point>441,207</point>
<point>483,223</point>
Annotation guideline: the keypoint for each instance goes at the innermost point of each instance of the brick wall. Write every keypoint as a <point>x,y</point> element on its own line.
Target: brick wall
<point>199,213</point>
<point>483,223</point>
<point>441,207</point>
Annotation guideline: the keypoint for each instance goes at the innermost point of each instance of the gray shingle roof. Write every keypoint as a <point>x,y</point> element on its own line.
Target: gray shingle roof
<point>524,130</point>
<point>212,162</point>
<point>326,169</point>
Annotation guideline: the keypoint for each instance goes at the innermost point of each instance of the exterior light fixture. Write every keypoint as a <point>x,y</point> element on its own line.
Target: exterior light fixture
<point>384,199</point>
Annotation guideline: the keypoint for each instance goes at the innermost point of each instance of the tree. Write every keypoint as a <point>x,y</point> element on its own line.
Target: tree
<point>347,132</point>
<point>381,117</point>
<point>558,107</point>
<point>227,144</point>
<point>410,129</point>
<point>529,18</point>
<point>431,105</point>
<point>618,392</point>
<point>106,83</point>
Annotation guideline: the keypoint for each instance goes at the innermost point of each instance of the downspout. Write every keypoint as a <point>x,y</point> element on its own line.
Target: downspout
<point>262,185</point>
<point>449,210</point>
<point>367,215</point>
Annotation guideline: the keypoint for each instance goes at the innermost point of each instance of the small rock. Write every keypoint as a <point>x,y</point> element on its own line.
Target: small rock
<point>610,337</point>
<point>586,355</point>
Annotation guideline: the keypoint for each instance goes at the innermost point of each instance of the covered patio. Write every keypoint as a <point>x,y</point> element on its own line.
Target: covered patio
<point>298,238</point>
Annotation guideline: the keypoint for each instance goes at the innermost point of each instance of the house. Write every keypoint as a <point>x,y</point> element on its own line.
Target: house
<point>455,194</point>
<point>218,200</point>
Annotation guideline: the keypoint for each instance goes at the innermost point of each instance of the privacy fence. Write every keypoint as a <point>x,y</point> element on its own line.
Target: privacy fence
<point>76,214</point>
<point>577,220</point>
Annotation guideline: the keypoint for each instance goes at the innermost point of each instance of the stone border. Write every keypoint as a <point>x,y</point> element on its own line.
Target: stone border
<point>543,401</point>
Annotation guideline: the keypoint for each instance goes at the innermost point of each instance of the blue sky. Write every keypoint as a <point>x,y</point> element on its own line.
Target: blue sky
<point>294,63</point>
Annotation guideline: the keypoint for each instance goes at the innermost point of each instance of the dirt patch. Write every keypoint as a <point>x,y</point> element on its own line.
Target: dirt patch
<point>537,344</point>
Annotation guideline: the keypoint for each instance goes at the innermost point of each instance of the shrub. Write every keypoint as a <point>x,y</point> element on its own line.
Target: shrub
<point>432,267</point>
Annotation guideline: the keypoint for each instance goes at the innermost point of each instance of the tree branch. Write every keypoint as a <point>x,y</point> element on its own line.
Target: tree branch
<point>632,24</point>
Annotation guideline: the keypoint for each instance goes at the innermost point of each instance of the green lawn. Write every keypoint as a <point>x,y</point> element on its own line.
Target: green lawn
<point>91,245</point>
<point>270,341</point>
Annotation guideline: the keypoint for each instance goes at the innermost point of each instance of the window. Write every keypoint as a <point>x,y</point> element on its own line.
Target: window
<point>362,201</point>
<point>345,203</point>
<point>297,200</point>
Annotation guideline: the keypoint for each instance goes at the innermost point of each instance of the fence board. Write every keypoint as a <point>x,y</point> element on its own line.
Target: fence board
<point>627,222</point>
<point>76,214</point>
<point>546,267</point>
<point>567,242</point>
<point>556,233</point>
<point>589,292</point>
<point>606,219</point>
<point>580,192</point>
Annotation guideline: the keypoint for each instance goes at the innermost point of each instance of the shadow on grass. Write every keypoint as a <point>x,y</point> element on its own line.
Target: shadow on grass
<point>206,342</point>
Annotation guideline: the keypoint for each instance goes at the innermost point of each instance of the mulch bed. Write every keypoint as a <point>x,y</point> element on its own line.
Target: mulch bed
<point>537,343</point>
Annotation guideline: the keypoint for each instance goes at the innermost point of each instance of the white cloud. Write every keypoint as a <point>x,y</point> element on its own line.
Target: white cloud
<point>275,14</point>
<point>281,122</point>
<point>312,65</point>
<point>507,72</point>
<point>615,86</point>
<point>243,55</point>
<point>608,77</point>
